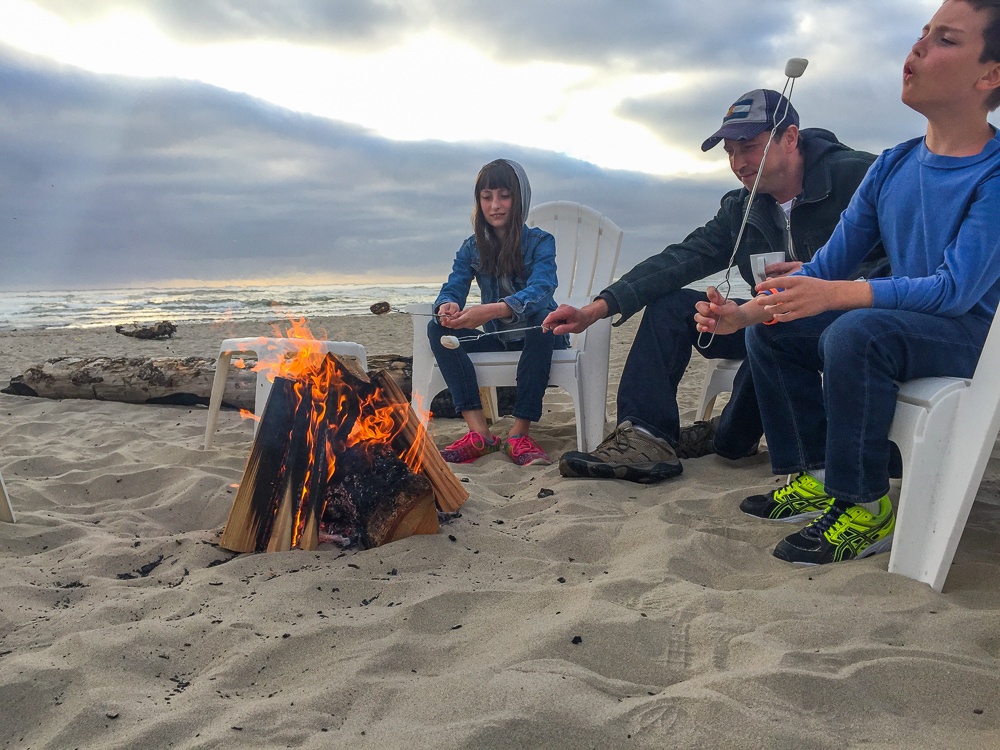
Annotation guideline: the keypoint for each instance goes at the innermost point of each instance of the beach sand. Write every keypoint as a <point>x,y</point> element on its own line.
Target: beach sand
<point>603,615</point>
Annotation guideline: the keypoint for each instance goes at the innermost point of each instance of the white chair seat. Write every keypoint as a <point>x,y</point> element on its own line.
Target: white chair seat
<point>587,247</point>
<point>267,351</point>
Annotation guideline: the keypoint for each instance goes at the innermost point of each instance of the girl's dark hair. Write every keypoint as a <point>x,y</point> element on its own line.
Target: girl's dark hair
<point>991,41</point>
<point>500,258</point>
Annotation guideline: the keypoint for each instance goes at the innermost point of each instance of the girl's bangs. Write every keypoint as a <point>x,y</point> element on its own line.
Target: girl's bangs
<point>495,176</point>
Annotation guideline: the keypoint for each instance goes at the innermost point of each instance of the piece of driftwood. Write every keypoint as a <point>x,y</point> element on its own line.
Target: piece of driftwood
<point>134,380</point>
<point>361,487</point>
<point>162,330</point>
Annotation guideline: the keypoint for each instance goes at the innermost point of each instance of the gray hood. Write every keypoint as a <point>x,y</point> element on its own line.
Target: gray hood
<point>522,179</point>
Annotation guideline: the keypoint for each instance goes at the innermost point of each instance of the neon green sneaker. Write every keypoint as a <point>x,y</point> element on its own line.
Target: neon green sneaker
<point>802,499</point>
<point>840,534</point>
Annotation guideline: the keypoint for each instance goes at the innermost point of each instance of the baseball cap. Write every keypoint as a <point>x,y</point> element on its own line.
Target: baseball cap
<point>751,115</point>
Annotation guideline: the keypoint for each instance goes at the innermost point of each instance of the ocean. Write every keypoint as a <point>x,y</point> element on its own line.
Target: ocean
<point>210,304</point>
<point>204,304</point>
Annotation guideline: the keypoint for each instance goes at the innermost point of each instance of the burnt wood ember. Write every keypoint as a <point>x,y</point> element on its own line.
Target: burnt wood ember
<point>370,492</point>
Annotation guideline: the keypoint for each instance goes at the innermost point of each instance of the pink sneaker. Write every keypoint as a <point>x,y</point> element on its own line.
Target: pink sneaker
<point>469,447</point>
<point>524,451</point>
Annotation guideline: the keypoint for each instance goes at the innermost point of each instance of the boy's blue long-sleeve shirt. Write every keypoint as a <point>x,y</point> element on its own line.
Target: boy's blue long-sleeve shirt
<point>939,220</point>
<point>526,295</point>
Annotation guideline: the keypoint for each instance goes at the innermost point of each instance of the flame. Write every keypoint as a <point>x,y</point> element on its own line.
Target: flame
<point>367,419</point>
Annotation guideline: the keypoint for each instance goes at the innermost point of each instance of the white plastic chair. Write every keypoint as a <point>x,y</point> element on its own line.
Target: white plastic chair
<point>587,247</point>
<point>719,378</point>
<point>6,509</point>
<point>267,350</point>
<point>946,429</point>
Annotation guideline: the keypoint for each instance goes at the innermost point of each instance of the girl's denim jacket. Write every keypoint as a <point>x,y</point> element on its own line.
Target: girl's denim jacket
<point>527,295</point>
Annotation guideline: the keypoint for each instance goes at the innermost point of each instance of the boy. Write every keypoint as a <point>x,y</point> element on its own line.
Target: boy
<point>825,372</point>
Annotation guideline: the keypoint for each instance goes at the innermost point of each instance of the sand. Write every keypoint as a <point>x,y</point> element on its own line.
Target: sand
<point>603,615</point>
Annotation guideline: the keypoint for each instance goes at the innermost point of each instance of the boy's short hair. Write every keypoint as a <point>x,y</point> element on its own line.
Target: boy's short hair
<point>991,41</point>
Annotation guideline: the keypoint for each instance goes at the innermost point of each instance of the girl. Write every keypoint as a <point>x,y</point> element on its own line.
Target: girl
<point>515,268</point>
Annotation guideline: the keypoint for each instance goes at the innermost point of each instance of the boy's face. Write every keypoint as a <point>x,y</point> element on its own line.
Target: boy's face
<point>943,70</point>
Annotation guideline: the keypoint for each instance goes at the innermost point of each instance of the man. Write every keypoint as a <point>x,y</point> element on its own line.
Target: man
<point>806,182</point>
<point>838,343</point>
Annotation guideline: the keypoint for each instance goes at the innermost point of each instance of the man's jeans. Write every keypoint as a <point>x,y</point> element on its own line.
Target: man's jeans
<point>647,392</point>
<point>532,368</point>
<point>826,386</point>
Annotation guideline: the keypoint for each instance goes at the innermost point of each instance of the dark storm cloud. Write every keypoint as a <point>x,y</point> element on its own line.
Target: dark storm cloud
<point>108,180</point>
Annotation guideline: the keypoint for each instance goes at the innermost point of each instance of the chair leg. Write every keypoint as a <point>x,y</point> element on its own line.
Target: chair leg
<point>215,401</point>
<point>491,406</point>
<point>940,482</point>
<point>6,509</point>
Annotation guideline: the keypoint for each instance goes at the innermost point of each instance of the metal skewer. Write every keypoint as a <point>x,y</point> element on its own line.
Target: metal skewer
<point>794,68</point>
<point>453,342</point>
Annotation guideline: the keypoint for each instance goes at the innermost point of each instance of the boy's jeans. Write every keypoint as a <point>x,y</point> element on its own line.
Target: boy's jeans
<point>841,421</point>
<point>532,368</point>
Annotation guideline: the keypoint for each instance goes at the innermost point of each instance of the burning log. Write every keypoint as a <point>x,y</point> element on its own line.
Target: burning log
<point>338,452</point>
<point>447,488</point>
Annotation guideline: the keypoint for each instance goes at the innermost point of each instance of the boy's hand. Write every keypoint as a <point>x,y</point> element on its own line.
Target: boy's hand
<point>795,297</point>
<point>782,268</point>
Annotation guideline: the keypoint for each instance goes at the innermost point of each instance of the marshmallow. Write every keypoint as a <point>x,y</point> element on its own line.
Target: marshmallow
<point>450,342</point>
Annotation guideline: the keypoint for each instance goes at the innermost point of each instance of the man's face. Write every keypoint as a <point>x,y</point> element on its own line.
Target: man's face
<point>745,158</point>
<point>943,66</point>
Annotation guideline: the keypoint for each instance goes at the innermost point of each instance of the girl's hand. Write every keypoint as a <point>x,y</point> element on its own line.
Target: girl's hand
<point>719,315</point>
<point>447,311</point>
<point>475,316</point>
<point>795,297</point>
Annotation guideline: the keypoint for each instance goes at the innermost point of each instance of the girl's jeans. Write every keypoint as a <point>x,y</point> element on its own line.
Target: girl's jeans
<point>826,387</point>
<point>532,368</point>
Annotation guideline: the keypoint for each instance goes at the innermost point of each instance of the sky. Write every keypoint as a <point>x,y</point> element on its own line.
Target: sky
<point>313,141</point>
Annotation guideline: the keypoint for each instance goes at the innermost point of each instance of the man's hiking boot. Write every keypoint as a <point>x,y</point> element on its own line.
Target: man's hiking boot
<point>630,453</point>
<point>698,439</point>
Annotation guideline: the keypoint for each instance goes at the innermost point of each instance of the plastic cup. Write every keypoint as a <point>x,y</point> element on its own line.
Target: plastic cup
<point>760,260</point>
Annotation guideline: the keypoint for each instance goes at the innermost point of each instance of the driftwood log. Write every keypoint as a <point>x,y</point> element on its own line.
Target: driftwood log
<point>166,380</point>
<point>134,380</point>
<point>162,330</point>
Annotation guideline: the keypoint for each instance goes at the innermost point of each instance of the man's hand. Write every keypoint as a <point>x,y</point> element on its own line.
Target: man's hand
<point>795,297</point>
<point>569,319</point>
<point>719,315</point>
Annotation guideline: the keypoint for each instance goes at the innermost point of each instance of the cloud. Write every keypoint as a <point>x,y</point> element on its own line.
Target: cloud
<point>346,23</point>
<point>108,180</point>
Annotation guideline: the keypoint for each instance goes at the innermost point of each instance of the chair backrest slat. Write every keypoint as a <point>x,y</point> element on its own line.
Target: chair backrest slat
<point>587,247</point>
